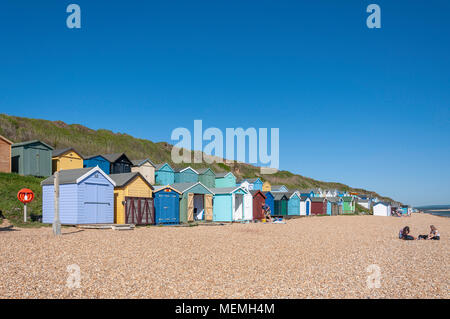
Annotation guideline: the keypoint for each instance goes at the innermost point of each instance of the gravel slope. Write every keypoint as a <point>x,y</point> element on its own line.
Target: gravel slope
<point>313,257</point>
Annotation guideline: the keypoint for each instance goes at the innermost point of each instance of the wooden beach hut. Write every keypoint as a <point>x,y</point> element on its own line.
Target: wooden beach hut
<point>164,174</point>
<point>279,189</point>
<point>305,206</point>
<point>146,168</point>
<point>225,180</point>
<point>32,158</point>
<point>97,160</point>
<point>167,205</point>
<point>259,200</point>
<point>133,202</point>
<point>229,205</point>
<point>207,177</point>
<point>348,205</point>
<point>270,201</point>
<point>5,155</point>
<point>333,204</point>
<point>118,163</point>
<point>280,204</point>
<point>382,209</point>
<point>66,158</point>
<point>266,187</point>
<point>366,202</point>
<point>293,203</point>
<point>318,206</point>
<point>86,196</point>
<point>196,202</point>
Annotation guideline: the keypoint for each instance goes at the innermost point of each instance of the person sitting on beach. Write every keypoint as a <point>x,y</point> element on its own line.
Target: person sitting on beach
<point>434,233</point>
<point>405,234</point>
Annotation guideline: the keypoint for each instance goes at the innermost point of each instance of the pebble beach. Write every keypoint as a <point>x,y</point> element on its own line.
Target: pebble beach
<point>308,257</point>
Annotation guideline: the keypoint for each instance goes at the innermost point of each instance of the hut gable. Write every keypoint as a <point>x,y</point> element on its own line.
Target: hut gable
<point>186,175</point>
<point>5,155</point>
<point>118,163</point>
<point>207,177</point>
<point>226,179</point>
<point>279,188</point>
<point>66,158</point>
<point>164,174</point>
<point>146,168</point>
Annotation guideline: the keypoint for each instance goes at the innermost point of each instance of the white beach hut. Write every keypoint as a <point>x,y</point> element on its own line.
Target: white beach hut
<point>382,209</point>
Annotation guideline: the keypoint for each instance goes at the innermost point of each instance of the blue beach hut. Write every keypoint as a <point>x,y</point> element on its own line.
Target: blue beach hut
<point>270,201</point>
<point>229,204</point>
<point>97,160</point>
<point>167,205</point>
<point>164,174</point>
<point>86,196</point>
<point>293,203</point>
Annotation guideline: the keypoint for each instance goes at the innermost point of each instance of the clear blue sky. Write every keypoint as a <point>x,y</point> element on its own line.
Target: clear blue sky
<point>369,108</point>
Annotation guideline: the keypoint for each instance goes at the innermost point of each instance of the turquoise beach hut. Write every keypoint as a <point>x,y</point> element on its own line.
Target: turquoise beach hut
<point>229,204</point>
<point>164,174</point>
<point>293,203</point>
<point>186,175</point>
<point>226,179</point>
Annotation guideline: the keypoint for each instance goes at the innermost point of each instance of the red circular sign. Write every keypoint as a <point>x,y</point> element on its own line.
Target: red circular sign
<point>25,195</point>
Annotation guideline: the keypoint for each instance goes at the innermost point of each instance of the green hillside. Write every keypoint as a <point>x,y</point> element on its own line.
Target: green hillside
<point>89,142</point>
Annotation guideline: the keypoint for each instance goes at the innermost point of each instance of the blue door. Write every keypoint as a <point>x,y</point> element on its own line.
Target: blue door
<point>307,208</point>
<point>96,208</point>
<point>167,208</point>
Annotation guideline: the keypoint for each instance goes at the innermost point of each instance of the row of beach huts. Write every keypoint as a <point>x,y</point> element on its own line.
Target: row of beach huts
<point>111,188</point>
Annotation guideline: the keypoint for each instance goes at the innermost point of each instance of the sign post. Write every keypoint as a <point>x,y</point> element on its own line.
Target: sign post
<point>56,222</point>
<point>25,195</point>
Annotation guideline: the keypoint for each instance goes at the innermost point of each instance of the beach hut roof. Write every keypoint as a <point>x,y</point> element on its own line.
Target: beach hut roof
<point>202,171</point>
<point>142,162</point>
<point>158,166</point>
<point>184,187</point>
<point>279,196</point>
<point>276,187</point>
<point>74,176</point>
<point>186,168</point>
<point>160,188</point>
<point>113,157</point>
<point>318,199</point>
<point>92,156</point>
<point>363,200</point>
<point>291,193</point>
<point>303,198</point>
<point>62,151</point>
<point>227,190</point>
<point>333,199</point>
<point>123,179</point>
<point>5,139</point>
<point>31,142</point>
<point>254,192</point>
<point>223,174</point>
<point>382,203</point>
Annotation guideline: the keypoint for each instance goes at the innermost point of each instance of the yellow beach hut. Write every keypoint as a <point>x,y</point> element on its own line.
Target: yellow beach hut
<point>66,158</point>
<point>133,202</point>
<point>266,187</point>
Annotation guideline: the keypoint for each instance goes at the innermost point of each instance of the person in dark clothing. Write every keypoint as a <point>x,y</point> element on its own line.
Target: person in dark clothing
<point>405,234</point>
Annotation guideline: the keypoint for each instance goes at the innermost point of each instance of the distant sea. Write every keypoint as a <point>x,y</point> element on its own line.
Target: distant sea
<point>439,210</point>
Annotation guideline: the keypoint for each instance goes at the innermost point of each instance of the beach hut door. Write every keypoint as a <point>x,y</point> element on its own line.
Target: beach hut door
<point>248,207</point>
<point>208,207</point>
<point>190,207</point>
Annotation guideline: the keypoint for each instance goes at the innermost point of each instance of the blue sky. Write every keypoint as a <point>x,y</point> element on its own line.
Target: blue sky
<point>369,108</point>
